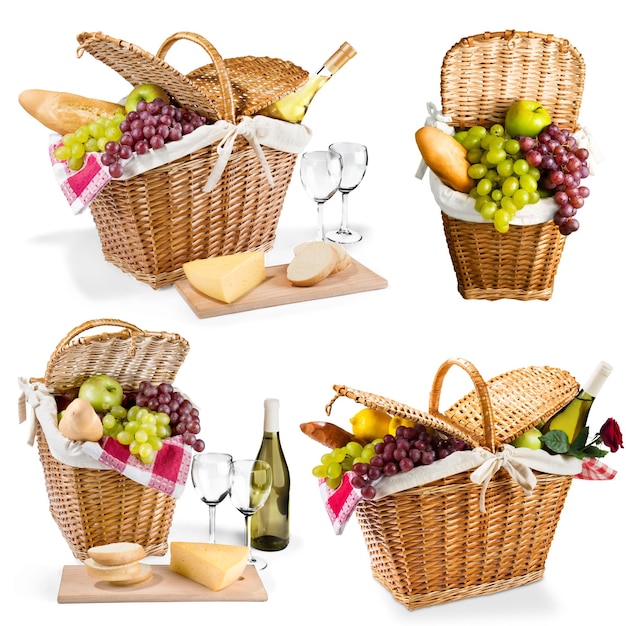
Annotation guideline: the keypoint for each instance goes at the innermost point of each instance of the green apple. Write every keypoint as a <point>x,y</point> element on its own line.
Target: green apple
<point>529,439</point>
<point>526,118</point>
<point>147,92</point>
<point>102,392</point>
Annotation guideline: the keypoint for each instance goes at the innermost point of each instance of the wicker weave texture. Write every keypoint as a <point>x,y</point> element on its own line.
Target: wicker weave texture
<point>432,544</point>
<point>481,76</point>
<point>92,507</point>
<point>519,265</point>
<point>153,223</point>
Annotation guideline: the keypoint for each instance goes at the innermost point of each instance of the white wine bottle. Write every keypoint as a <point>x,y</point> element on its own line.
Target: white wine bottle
<point>293,106</point>
<point>269,526</point>
<point>573,417</point>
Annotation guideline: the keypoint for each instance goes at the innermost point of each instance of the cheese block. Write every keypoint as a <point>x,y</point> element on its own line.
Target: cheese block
<point>227,278</point>
<point>213,565</point>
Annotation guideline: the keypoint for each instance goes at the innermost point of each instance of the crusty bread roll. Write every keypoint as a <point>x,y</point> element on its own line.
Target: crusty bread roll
<point>118,553</point>
<point>112,573</point>
<point>343,258</point>
<point>312,264</point>
<point>64,112</point>
<point>144,575</point>
<point>445,156</point>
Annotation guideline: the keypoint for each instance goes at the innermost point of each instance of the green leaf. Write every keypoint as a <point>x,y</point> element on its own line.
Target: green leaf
<point>581,439</point>
<point>594,451</point>
<point>557,441</point>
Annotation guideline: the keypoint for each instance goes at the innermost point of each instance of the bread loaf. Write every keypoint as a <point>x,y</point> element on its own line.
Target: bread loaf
<point>112,573</point>
<point>445,156</point>
<point>64,112</point>
<point>118,553</point>
<point>329,435</point>
<point>312,264</point>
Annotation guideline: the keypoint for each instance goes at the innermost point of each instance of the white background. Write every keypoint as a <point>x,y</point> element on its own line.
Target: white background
<point>388,342</point>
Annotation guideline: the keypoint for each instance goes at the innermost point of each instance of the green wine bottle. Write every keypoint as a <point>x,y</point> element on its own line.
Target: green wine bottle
<point>573,417</point>
<point>269,526</point>
<point>293,106</point>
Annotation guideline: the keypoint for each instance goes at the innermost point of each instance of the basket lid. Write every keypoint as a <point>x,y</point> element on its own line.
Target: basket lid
<point>223,89</point>
<point>124,352</point>
<point>495,412</point>
<point>482,75</point>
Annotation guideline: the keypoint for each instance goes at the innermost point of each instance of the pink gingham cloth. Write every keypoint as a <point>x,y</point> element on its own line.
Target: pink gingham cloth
<point>341,502</point>
<point>595,469</point>
<point>81,187</point>
<point>167,473</point>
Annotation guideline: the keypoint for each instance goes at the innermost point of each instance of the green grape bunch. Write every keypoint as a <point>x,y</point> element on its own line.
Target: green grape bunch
<point>334,464</point>
<point>504,180</point>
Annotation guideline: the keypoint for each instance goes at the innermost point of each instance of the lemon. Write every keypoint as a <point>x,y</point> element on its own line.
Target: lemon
<point>399,421</point>
<point>370,424</point>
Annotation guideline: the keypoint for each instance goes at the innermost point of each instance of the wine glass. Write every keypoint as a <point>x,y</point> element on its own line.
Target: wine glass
<point>250,486</point>
<point>354,160</point>
<point>210,475</point>
<point>320,173</point>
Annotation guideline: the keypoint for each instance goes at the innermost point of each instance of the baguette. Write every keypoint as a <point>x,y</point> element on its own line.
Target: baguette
<point>329,435</point>
<point>445,156</point>
<point>64,112</point>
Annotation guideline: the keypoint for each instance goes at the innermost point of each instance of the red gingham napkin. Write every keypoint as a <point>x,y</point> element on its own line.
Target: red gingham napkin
<point>594,469</point>
<point>168,473</point>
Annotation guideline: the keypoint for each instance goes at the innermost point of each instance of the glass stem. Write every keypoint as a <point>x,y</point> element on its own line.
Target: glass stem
<point>212,508</point>
<point>344,214</point>
<point>320,222</point>
<point>249,539</point>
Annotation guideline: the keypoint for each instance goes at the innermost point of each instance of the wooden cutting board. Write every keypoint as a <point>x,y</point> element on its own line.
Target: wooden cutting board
<point>165,586</point>
<point>277,290</point>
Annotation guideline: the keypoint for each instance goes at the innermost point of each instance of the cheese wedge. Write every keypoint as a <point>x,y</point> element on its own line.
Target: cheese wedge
<point>227,278</point>
<point>213,565</point>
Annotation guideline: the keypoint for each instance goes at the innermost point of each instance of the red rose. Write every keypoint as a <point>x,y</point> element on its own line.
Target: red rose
<point>611,435</point>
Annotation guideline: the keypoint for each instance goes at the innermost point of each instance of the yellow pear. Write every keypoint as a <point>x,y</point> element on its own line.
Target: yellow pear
<point>80,422</point>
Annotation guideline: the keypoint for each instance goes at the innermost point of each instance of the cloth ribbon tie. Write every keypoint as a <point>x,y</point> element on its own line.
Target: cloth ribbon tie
<point>439,120</point>
<point>246,129</point>
<point>513,464</point>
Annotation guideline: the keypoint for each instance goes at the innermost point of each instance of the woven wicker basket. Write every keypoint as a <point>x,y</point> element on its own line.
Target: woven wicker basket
<point>481,76</point>
<point>431,544</point>
<point>151,224</point>
<point>93,507</point>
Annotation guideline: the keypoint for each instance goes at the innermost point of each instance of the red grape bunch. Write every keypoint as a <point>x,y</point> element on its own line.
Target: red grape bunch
<point>412,446</point>
<point>184,416</point>
<point>150,126</point>
<point>563,165</point>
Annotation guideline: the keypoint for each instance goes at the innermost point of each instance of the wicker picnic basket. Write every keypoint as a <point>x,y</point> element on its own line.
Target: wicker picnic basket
<point>431,544</point>
<point>481,76</point>
<point>150,224</point>
<point>91,506</point>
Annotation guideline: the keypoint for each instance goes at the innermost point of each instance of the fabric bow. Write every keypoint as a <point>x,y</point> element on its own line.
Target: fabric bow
<point>246,129</point>
<point>513,463</point>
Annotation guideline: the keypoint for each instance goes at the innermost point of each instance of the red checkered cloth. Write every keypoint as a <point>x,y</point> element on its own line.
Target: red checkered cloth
<point>594,469</point>
<point>167,473</point>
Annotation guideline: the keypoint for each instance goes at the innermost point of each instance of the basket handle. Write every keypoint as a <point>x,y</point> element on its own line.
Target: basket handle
<point>483,396</point>
<point>228,103</point>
